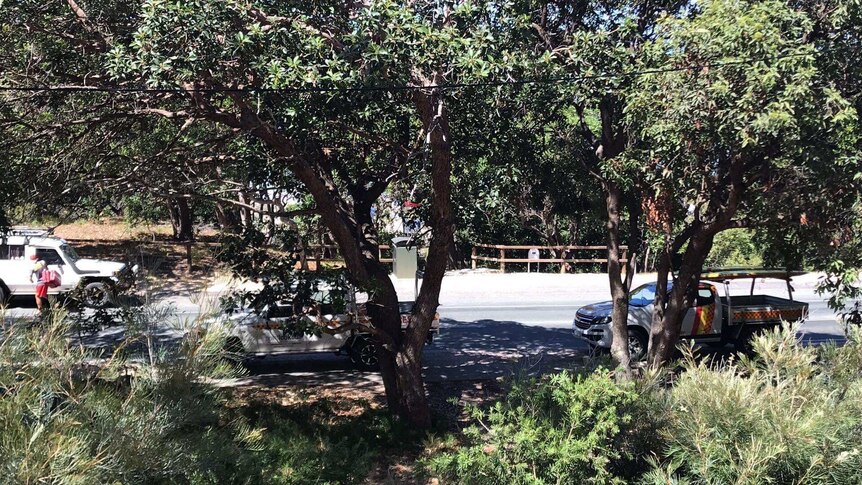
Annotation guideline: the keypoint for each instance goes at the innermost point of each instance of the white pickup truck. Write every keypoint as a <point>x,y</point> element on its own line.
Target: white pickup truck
<point>273,330</point>
<point>99,281</point>
<point>713,319</point>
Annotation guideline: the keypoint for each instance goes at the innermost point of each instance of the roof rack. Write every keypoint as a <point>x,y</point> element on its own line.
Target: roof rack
<point>744,273</point>
<point>27,231</point>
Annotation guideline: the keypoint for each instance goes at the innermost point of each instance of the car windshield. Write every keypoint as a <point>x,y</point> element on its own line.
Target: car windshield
<point>70,253</point>
<point>644,295</point>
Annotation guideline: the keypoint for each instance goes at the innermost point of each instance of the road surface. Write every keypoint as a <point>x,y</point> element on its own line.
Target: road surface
<point>492,326</point>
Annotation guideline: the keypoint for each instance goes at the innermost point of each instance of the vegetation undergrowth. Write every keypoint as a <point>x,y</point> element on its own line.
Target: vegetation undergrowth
<point>71,416</point>
<point>153,414</point>
<point>789,413</point>
<point>319,443</point>
<point>565,428</point>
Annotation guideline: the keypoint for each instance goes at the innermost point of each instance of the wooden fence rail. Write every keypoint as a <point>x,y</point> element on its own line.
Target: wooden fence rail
<point>329,253</point>
<point>501,258</point>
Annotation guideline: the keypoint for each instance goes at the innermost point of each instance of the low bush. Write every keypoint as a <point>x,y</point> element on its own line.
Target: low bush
<point>319,443</point>
<point>150,413</point>
<point>68,416</point>
<point>789,414</point>
<point>567,428</point>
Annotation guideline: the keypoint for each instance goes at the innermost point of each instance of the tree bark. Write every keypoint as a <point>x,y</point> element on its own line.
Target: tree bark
<point>226,216</point>
<point>664,337</point>
<point>657,337</point>
<point>635,239</point>
<point>245,219</point>
<point>619,292</point>
<point>435,120</point>
<point>181,219</point>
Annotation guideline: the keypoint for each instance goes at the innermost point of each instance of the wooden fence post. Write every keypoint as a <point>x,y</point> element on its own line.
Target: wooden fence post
<point>473,257</point>
<point>189,256</point>
<point>502,260</point>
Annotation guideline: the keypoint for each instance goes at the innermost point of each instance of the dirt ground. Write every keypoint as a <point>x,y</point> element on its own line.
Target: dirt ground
<point>170,267</point>
<point>117,230</point>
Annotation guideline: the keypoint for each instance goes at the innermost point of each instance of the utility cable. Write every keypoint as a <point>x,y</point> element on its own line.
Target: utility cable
<point>393,88</point>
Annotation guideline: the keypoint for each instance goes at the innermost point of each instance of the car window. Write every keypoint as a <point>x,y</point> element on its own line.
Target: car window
<point>280,311</point>
<point>704,297</point>
<point>643,295</point>
<point>14,252</point>
<point>70,252</point>
<point>49,256</point>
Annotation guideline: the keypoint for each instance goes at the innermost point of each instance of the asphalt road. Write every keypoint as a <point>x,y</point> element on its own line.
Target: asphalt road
<point>478,340</point>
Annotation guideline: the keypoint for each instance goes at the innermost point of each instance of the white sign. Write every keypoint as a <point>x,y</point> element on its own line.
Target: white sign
<point>533,254</point>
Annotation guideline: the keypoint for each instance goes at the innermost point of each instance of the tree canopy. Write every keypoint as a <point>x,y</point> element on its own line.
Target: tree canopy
<point>557,121</point>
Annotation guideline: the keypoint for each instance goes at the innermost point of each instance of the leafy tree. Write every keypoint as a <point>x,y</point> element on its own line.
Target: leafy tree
<point>595,44</point>
<point>743,130</point>
<point>300,86</point>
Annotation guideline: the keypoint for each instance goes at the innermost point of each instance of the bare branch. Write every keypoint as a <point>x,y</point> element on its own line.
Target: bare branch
<point>102,44</point>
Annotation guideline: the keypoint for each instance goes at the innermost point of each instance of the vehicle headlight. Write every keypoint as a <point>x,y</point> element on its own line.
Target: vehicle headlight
<point>604,320</point>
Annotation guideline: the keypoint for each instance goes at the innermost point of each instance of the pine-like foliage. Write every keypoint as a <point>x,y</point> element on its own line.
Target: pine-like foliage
<point>790,414</point>
<point>68,416</point>
<point>564,429</point>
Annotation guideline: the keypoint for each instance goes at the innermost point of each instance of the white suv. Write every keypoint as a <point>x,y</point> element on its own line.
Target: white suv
<point>99,281</point>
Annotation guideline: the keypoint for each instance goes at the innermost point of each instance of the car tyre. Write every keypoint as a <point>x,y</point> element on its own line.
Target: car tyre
<point>3,295</point>
<point>234,352</point>
<point>746,338</point>
<point>97,295</point>
<point>363,354</point>
<point>638,343</point>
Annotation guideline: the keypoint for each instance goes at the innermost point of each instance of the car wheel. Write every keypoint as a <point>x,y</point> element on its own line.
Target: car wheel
<point>746,338</point>
<point>3,295</point>
<point>234,352</point>
<point>637,344</point>
<point>97,295</point>
<point>363,354</point>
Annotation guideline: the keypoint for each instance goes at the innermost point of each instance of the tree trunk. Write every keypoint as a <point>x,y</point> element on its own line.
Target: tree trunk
<point>226,216</point>
<point>383,311</point>
<point>435,121</point>
<point>400,355</point>
<point>245,215</point>
<point>635,241</point>
<point>619,292</point>
<point>665,335</point>
<point>656,328</point>
<point>181,219</point>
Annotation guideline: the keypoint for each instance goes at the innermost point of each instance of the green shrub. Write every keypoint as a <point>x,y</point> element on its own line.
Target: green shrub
<point>734,247</point>
<point>67,416</point>
<point>562,429</point>
<point>791,414</point>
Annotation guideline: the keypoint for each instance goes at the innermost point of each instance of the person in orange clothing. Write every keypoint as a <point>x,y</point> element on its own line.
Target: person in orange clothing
<point>39,271</point>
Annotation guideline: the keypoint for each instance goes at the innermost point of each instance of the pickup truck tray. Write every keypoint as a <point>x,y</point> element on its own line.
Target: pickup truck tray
<point>764,309</point>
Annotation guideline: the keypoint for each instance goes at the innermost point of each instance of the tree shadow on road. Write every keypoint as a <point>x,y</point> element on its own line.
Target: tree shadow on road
<point>480,350</point>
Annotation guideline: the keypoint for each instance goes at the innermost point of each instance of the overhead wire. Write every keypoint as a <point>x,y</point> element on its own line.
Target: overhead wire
<point>443,86</point>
